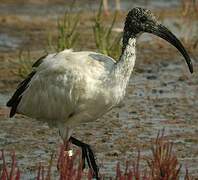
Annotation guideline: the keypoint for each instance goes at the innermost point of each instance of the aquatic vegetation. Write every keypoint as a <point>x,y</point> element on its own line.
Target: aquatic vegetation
<point>67,31</point>
<point>162,164</point>
<point>188,6</point>
<point>66,38</point>
<point>105,39</point>
<point>106,42</point>
<point>69,167</point>
<point>189,10</point>
<point>11,172</point>
<point>24,64</point>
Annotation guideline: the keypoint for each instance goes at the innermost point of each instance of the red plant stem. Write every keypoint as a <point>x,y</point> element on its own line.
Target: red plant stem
<point>42,173</point>
<point>39,172</point>
<point>90,175</point>
<point>50,167</point>
<point>5,170</point>
<point>3,176</point>
<point>118,171</point>
<point>13,166</point>
<point>17,174</point>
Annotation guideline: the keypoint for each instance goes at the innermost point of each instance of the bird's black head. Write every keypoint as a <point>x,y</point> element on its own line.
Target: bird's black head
<point>141,20</point>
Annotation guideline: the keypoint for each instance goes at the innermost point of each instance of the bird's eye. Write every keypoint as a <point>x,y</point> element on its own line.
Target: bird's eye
<point>143,18</point>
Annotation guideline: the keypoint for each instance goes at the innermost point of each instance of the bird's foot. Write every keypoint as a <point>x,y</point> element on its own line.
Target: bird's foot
<point>87,154</point>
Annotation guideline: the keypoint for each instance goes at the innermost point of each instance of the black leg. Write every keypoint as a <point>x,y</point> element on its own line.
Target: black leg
<point>87,154</point>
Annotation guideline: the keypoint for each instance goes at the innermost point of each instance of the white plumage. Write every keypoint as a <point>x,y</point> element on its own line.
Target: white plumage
<point>69,87</point>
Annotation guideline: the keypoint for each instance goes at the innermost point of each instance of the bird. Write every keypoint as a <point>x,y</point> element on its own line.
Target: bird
<point>70,87</point>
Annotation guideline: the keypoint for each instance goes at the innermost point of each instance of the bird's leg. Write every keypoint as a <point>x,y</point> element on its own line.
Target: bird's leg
<point>65,141</point>
<point>87,154</point>
<point>65,132</point>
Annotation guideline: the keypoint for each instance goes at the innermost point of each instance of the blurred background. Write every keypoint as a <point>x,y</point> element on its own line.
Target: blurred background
<point>161,92</point>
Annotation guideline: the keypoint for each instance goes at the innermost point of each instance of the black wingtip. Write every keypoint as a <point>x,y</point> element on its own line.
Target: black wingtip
<point>39,61</point>
<point>9,103</point>
<point>15,99</point>
<point>11,114</point>
<point>14,107</point>
<point>190,65</point>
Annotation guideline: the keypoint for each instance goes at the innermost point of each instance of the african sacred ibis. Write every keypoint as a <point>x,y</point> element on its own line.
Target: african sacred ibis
<point>68,88</point>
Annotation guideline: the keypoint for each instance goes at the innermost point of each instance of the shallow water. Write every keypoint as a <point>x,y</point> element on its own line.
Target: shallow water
<point>51,10</point>
<point>8,42</point>
<point>48,11</point>
<point>150,105</point>
<point>3,99</point>
<point>161,94</point>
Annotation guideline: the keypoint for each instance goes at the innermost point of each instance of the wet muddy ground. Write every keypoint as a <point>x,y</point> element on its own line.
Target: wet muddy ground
<point>161,94</point>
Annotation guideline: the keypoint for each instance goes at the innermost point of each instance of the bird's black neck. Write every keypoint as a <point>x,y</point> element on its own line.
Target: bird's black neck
<point>126,36</point>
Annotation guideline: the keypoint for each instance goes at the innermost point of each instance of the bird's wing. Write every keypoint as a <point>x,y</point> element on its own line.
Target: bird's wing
<point>101,57</point>
<point>39,61</point>
<point>91,61</point>
<point>65,62</point>
<point>15,99</point>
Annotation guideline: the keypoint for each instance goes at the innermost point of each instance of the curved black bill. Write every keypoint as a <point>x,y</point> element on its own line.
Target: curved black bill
<point>164,33</point>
